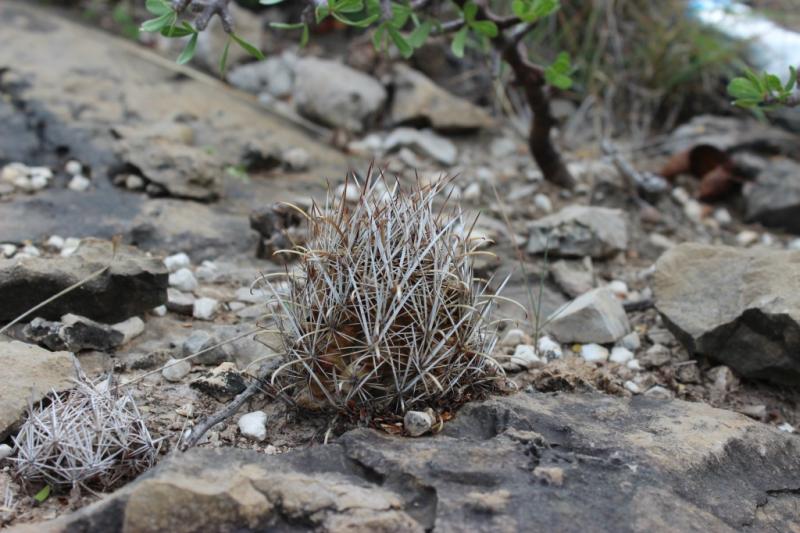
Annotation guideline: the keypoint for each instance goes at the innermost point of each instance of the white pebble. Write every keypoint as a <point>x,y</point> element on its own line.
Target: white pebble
<point>8,250</point>
<point>693,210</point>
<point>350,191</point>
<point>205,308</point>
<point>40,172</point>
<point>31,250</point>
<point>130,329</point>
<point>543,203</point>
<point>794,244</point>
<point>38,182</point>
<point>632,387</point>
<point>73,167</point>
<point>297,158</point>
<point>177,261</point>
<point>183,280</point>
<point>55,242</point>
<point>71,245</point>
<point>594,353</point>
<point>786,427</point>
<point>254,425</point>
<point>525,355</point>
<point>620,355</point>
<point>680,195</point>
<point>722,216</point>
<point>207,271</point>
<point>417,423</point>
<point>633,364</point>
<point>472,192</point>
<point>5,451</point>
<point>161,310</point>
<point>658,392</point>
<point>619,288</point>
<point>548,348</point>
<point>176,369</point>
<point>79,183</point>
<point>746,237</point>
<point>13,171</point>
<point>134,182</point>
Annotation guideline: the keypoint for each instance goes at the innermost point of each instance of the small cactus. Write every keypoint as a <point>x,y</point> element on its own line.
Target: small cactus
<point>383,313</point>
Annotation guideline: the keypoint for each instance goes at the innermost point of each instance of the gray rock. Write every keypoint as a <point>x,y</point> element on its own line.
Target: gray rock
<point>423,142</point>
<point>221,383</point>
<point>180,302</point>
<point>578,231</point>
<point>417,423</point>
<point>655,356</point>
<point>183,280</point>
<point>130,329</point>
<point>418,100</point>
<point>80,333</point>
<point>132,285</point>
<point>774,198</point>
<point>572,278</point>
<point>205,308</point>
<point>274,75</point>
<point>176,369</point>
<point>45,333</point>
<point>202,340</point>
<point>738,306</point>
<point>29,374</point>
<point>5,451</point>
<point>625,465</point>
<point>336,95</point>
<point>595,317</point>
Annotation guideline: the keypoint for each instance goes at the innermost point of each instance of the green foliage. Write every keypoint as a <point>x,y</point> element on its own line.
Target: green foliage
<point>766,90</point>
<point>167,23</point>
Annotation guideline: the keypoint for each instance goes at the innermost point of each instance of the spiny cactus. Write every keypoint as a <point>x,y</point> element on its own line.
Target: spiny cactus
<point>90,436</point>
<point>384,314</point>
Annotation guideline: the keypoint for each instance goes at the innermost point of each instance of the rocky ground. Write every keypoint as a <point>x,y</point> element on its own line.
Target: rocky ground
<point>658,388</point>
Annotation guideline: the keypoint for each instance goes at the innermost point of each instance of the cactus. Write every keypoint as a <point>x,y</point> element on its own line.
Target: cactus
<point>383,313</point>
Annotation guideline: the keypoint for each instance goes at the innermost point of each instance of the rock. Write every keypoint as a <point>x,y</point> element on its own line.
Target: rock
<point>176,369</point>
<point>594,353</point>
<point>786,427</point>
<point>620,355</point>
<point>472,192</point>
<point>631,341</point>
<point>29,374</point>
<point>747,237</point>
<point>130,329</point>
<point>423,142</point>
<point>543,203</point>
<point>183,280</point>
<point>548,348</point>
<point>202,340</point>
<point>5,451</point>
<point>274,75</point>
<point>296,159</point>
<point>418,100</point>
<point>71,245</point>
<point>632,387</point>
<point>513,337</point>
<point>177,262</point>
<point>222,383</point>
<point>417,423</point>
<point>633,464</point>
<point>205,308</point>
<point>79,183</point>
<point>596,316</point>
<point>133,284</point>
<point>254,425</point>
<point>578,231</point>
<point>55,242</point>
<point>179,302</point>
<point>655,356</point>
<point>134,182</point>
<point>658,392</point>
<point>336,95</point>
<point>740,307</point>
<point>571,278</point>
<point>525,356</point>
<point>688,373</point>
<point>45,333</point>
<point>774,198</point>
<point>278,226</point>
<point>207,271</point>
<point>80,333</point>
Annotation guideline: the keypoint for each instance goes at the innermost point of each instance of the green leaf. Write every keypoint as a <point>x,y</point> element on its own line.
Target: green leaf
<point>459,41</point>
<point>158,7</point>
<point>377,37</point>
<point>532,10</point>
<point>562,63</point>
<point>286,25</point>
<point>792,79</point>
<point>223,61</point>
<point>557,74</point>
<point>157,24</point>
<point>188,50</point>
<point>745,90</point>
<point>184,30</point>
<point>348,6</point>
<point>362,23</point>
<point>485,27</point>
<point>247,47</point>
<point>773,83</point>
<point>43,494</point>
<point>400,42</point>
<point>420,34</point>
<point>470,10</point>
<point>304,36</point>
